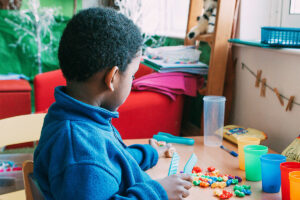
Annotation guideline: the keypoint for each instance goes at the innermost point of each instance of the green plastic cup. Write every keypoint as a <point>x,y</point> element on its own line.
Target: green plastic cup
<point>252,161</point>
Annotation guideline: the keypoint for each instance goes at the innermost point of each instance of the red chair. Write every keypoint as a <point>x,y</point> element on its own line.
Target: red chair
<point>15,98</point>
<point>44,85</point>
<point>141,116</point>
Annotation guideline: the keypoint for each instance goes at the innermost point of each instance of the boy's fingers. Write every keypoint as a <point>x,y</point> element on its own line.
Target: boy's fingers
<point>186,177</point>
<point>187,185</point>
<point>185,193</point>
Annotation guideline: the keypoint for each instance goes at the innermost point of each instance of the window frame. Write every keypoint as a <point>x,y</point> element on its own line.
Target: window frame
<point>289,19</point>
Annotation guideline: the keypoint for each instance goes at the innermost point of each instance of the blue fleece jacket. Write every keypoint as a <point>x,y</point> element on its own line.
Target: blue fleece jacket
<point>80,155</point>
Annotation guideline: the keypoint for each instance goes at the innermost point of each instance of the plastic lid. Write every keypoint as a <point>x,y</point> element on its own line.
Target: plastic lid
<point>214,98</point>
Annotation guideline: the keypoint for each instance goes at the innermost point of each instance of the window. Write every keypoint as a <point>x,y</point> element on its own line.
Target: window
<point>295,7</point>
<point>157,17</point>
<point>165,17</point>
<point>290,14</point>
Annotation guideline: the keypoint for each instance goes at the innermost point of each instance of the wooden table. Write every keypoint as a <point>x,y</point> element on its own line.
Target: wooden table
<point>207,156</point>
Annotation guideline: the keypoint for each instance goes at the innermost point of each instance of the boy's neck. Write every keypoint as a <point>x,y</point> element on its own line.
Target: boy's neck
<point>84,92</point>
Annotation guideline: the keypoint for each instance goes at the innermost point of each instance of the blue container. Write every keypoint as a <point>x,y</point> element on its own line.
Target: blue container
<point>280,37</point>
<point>270,171</point>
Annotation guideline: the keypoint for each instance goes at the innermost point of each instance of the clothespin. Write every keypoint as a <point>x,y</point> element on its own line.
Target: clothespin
<point>263,87</point>
<point>258,77</point>
<point>290,103</point>
<point>278,96</point>
<point>243,65</point>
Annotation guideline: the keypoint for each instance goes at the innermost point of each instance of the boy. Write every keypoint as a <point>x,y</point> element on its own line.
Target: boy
<point>80,154</point>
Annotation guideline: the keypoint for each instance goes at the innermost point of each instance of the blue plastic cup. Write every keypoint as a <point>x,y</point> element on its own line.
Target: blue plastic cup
<point>270,172</point>
<point>214,107</point>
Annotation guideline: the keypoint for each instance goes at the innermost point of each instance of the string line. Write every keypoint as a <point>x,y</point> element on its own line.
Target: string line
<point>244,66</point>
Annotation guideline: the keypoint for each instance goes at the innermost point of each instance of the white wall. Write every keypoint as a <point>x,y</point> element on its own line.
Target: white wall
<point>257,13</point>
<point>265,113</point>
<point>281,69</point>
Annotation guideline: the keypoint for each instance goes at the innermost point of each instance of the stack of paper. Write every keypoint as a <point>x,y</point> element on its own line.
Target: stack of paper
<point>175,59</point>
<point>193,68</point>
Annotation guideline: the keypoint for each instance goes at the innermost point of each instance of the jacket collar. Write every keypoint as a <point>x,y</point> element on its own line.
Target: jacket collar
<point>73,109</point>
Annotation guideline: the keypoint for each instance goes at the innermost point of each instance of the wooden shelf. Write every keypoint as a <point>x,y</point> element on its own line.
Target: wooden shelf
<point>206,38</point>
<point>220,54</point>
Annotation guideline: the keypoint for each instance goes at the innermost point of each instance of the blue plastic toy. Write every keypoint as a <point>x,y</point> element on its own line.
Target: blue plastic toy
<point>161,136</point>
<point>188,166</point>
<point>174,164</point>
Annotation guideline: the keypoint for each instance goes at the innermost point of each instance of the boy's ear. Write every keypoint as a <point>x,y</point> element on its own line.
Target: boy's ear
<point>110,77</point>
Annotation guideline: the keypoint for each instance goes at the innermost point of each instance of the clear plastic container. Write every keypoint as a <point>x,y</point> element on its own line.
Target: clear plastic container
<point>13,180</point>
<point>214,108</point>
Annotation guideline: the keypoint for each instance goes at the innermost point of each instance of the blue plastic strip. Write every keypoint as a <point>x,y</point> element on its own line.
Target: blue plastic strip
<point>190,164</point>
<point>174,164</point>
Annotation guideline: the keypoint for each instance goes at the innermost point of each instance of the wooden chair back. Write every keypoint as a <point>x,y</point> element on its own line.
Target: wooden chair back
<point>32,189</point>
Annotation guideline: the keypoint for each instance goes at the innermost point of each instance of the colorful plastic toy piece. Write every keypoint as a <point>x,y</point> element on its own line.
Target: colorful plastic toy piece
<point>190,164</point>
<point>247,191</point>
<point>214,185</point>
<point>218,184</point>
<point>242,190</point>
<point>239,194</point>
<point>238,178</point>
<point>196,183</point>
<point>238,187</point>
<point>224,194</point>
<point>174,164</point>
<point>196,169</point>
<point>228,182</point>
<point>234,181</point>
<point>218,193</point>
<point>219,179</point>
<point>204,184</point>
<point>211,169</point>
<point>225,178</point>
<point>248,187</point>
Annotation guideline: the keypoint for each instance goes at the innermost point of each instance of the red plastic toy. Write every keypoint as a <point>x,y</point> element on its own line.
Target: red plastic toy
<point>196,169</point>
<point>211,169</point>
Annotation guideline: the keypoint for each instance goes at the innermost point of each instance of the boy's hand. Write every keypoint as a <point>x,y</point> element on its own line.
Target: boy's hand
<point>177,186</point>
<point>166,150</point>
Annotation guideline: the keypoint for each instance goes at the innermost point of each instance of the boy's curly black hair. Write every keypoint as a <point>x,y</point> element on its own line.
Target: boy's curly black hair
<point>95,39</point>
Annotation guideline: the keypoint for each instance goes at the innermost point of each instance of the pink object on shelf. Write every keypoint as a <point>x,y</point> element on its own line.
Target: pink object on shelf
<point>170,84</point>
